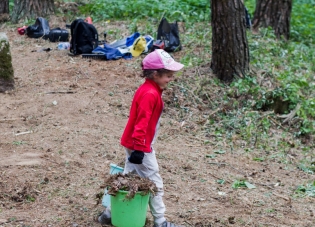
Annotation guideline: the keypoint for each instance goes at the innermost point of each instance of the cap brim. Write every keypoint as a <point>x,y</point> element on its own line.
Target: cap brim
<point>135,53</point>
<point>175,66</point>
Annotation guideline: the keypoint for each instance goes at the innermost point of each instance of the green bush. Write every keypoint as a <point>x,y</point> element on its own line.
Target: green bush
<point>184,10</point>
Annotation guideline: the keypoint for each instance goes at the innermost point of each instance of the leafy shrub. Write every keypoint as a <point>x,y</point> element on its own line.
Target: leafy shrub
<point>185,10</point>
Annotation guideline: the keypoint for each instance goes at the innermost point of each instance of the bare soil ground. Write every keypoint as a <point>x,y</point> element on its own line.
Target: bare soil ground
<point>60,130</point>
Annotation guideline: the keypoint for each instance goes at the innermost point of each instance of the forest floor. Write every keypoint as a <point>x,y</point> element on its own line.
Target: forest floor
<point>61,128</point>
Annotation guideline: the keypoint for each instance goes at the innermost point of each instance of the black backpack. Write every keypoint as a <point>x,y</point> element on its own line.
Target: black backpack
<point>169,35</point>
<point>39,29</point>
<point>84,37</point>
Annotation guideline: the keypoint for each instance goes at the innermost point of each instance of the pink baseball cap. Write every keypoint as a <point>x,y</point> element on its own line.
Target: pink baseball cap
<point>160,59</point>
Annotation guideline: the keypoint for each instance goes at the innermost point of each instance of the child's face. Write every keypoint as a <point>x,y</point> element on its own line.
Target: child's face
<point>163,79</point>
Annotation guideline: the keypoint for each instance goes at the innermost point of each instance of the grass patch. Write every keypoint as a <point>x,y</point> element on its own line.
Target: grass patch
<point>307,167</point>
<point>306,190</point>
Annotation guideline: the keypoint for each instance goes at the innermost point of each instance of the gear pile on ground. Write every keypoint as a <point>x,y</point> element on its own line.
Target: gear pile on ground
<point>129,182</point>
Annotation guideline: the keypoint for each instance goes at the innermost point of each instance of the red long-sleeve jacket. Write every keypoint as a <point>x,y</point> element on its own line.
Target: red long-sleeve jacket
<point>145,111</point>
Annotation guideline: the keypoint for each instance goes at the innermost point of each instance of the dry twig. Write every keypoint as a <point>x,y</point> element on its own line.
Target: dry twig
<point>60,92</point>
<point>23,133</point>
<point>276,123</point>
<point>288,117</point>
<point>281,196</point>
<point>13,119</point>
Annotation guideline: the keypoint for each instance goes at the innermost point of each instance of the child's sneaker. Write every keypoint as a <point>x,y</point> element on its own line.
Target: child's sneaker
<point>166,224</point>
<point>105,218</point>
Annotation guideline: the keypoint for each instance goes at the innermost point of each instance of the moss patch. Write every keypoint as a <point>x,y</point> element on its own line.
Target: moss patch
<point>6,68</point>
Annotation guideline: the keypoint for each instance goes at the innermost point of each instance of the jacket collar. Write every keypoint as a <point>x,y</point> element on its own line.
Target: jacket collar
<point>155,85</point>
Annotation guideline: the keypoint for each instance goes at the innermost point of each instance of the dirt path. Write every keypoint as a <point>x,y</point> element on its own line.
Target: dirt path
<point>60,130</point>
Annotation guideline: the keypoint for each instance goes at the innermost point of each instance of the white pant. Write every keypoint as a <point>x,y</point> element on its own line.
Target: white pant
<point>149,169</point>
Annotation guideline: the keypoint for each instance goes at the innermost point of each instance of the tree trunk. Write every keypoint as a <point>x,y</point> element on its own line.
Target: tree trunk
<point>4,10</point>
<point>4,6</point>
<point>230,54</point>
<point>6,68</point>
<point>275,14</point>
<point>31,9</point>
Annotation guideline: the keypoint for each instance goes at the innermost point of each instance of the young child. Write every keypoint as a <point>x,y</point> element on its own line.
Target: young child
<point>141,130</point>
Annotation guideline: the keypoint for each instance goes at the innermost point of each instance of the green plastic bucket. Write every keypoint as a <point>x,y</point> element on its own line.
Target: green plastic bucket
<point>129,213</point>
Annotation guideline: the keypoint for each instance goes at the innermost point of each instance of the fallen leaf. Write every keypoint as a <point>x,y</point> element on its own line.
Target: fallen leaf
<point>220,152</point>
<point>249,185</point>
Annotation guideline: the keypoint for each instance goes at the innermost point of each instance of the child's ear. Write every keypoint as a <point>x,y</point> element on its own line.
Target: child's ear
<point>155,74</point>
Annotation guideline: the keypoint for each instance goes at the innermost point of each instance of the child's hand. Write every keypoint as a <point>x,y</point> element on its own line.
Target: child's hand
<point>136,157</point>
